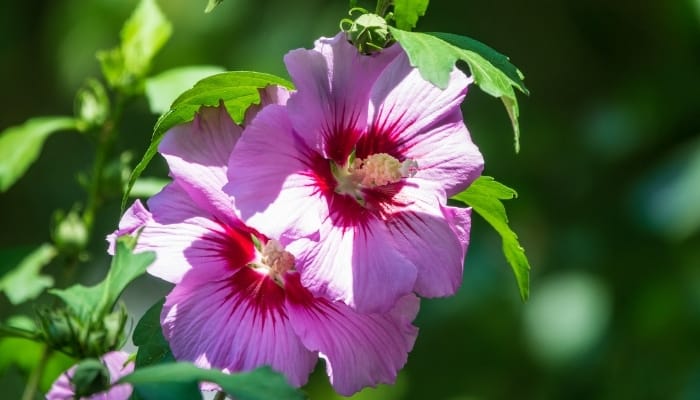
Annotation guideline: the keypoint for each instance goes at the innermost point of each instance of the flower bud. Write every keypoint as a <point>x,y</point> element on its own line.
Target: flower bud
<point>91,105</point>
<point>70,233</point>
<point>90,377</point>
<point>369,33</point>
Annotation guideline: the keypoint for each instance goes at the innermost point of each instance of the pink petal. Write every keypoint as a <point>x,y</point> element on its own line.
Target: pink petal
<point>116,363</point>
<point>134,218</point>
<point>272,180</point>
<point>271,94</point>
<point>197,154</point>
<point>356,265</point>
<point>445,154</point>
<point>359,349</point>
<point>425,124</point>
<point>235,322</point>
<point>333,81</point>
<point>185,236</point>
<point>433,238</point>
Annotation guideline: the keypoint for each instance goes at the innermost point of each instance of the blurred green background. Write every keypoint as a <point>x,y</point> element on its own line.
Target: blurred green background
<point>608,177</point>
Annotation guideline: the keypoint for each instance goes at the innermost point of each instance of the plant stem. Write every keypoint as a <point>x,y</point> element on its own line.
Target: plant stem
<point>382,7</point>
<point>35,377</point>
<point>220,396</point>
<point>105,139</point>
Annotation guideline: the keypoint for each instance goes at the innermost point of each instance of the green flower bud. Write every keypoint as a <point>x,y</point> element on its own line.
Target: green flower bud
<point>91,105</point>
<point>70,233</point>
<point>64,331</point>
<point>368,32</point>
<point>90,377</point>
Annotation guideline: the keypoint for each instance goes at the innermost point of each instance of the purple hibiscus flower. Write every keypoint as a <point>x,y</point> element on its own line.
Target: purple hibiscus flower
<point>117,365</point>
<point>238,302</point>
<point>363,156</point>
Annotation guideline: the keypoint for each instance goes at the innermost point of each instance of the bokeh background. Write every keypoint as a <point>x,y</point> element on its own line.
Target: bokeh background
<point>608,177</point>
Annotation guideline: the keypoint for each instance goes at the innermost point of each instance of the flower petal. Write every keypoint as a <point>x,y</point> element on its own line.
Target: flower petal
<point>419,121</point>
<point>433,238</point>
<point>197,154</point>
<point>356,265</point>
<point>271,94</point>
<point>235,322</point>
<point>134,218</point>
<point>272,180</point>
<point>185,236</point>
<point>360,349</point>
<point>333,81</point>
<point>445,155</point>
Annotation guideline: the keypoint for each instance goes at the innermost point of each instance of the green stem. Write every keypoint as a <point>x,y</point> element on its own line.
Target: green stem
<point>220,396</point>
<point>32,387</point>
<point>105,139</point>
<point>382,7</point>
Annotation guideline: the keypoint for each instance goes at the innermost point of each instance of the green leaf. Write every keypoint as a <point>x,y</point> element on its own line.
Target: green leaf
<point>435,55</point>
<point>148,336</point>
<point>484,195</point>
<point>260,384</point>
<point>93,303</point>
<point>407,12</point>
<point>20,145</point>
<point>212,4</point>
<point>23,280</point>
<point>142,36</point>
<point>147,187</point>
<point>238,90</point>
<point>164,88</point>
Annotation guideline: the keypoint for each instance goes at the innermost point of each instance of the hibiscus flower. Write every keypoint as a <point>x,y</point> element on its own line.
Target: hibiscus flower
<point>238,301</point>
<point>360,162</point>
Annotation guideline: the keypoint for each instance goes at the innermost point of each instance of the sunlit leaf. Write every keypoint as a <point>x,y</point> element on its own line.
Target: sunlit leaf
<point>94,302</point>
<point>407,12</point>
<point>148,336</point>
<point>260,384</point>
<point>147,187</point>
<point>484,195</point>
<point>236,90</point>
<point>23,280</point>
<point>164,88</point>
<point>211,5</point>
<point>435,55</point>
<point>142,36</point>
<point>20,145</point>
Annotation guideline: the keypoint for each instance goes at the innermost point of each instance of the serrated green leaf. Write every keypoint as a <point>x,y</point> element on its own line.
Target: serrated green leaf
<point>407,12</point>
<point>238,90</point>
<point>435,55</point>
<point>92,303</point>
<point>24,281</point>
<point>142,36</point>
<point>148,336</point>
<point>484,195</point>
<point>260,384</point>
<point>211,5</point>
<point>20,145</point>
<point>498,60</point>
<point>164,88</point>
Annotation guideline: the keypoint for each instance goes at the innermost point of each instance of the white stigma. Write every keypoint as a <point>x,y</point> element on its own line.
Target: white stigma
<point>376,170</point>
<point>381,169</point>
<point>276,258</point>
